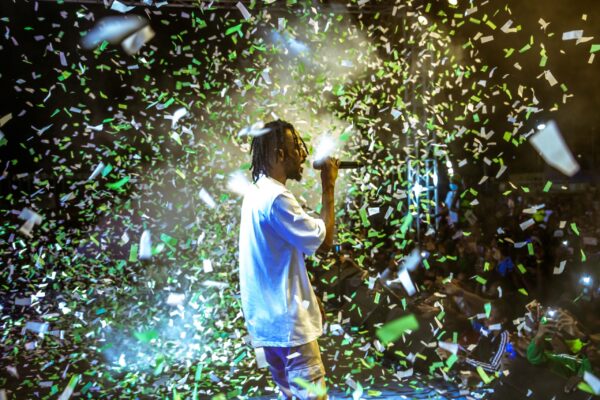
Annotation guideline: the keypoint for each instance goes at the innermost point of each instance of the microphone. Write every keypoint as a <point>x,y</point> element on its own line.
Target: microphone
<point>342,165</point>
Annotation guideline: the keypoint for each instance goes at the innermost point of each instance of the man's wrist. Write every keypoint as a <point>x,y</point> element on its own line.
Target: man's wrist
<point>328,186</point>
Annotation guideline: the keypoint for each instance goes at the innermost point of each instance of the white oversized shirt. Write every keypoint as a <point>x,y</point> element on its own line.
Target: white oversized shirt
<point>278,302</point>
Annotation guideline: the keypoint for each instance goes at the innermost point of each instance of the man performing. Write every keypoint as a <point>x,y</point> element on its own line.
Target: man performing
<point>281,310</point>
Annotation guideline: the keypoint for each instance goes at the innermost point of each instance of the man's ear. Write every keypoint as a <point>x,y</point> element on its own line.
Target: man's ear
<point>279,155</point>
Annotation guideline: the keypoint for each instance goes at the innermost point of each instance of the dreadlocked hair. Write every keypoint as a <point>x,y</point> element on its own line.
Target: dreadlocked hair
<point>263,146</point>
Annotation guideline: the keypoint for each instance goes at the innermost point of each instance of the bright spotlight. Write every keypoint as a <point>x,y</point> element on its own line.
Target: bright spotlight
<point>325,147</point>
<point>417,189</point>
<point>541,126</point>
<point>586,280</point>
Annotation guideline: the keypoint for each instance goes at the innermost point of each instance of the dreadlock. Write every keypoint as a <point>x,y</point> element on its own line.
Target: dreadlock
<point>262,146</point>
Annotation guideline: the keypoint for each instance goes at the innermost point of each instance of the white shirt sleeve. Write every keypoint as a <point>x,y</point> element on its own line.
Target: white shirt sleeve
<point>295,226</point>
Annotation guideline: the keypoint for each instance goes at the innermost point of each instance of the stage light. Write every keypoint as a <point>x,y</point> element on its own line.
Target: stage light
<point>541,126</point>
<point>417,189</point>
<point>586,280</point>
<point>325,147</point>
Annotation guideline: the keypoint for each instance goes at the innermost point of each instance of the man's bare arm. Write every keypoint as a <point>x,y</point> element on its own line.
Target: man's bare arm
<point>329,172</point>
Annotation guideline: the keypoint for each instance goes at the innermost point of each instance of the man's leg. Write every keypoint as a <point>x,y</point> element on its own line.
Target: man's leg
<point>306,373</point>
<point>276,357</point>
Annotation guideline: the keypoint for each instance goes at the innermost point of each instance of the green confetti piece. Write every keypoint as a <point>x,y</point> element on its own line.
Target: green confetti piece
<point>239,358</point>
<point>168,239</point>
<point>364,218</point>
<point>484,377</point>
<point>547,186</point>
<point>146,336</point>
<point>393,330</point>
<point>488,309</point>
<point>133,252</point>
<point>595,48</point>
<point>480,280</point>
<point>435,366</point>
<point>530,249</point>
<point>118,184</point>
<point>377,296</point>
<point>311,387</point>
<point>441,315</point>
<point>521,268</point>
<point>583,256</point>
<point>181,174</point>
<point>107,170</point>
<point>523,291</point>
<point>574,228</point>
<point>407,222</point>
<point>233,29</point>
<point>451,360</point>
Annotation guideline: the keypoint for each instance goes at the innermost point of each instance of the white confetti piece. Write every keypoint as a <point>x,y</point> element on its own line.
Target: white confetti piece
<point>68,392</point>
<point>501,171</point>
<point>593,381</point>
<point>120,7</point>
<point>145,252</point>
<point>133,43</point>
<point>404,374</point>
<point>553,149</point>
<point>261,358</point>
<point>572,35</point>
<point>560,269</point>
<point>526,224</point>
<point>5,119</point>
<point>177,115</point>
<point>243,10</point>
<point>38,327</point>
<point>175,299</point>
<point>207,266</point>
<point>207,198</point>
<point>96,171</point>
<point>550,78</point>
<point>449,347</point>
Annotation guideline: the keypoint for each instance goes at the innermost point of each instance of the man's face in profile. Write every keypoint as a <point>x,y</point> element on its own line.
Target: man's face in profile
<point>295,155</point>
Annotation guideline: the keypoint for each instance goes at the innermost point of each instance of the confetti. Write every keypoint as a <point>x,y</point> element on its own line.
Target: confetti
<point>551,146</point>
